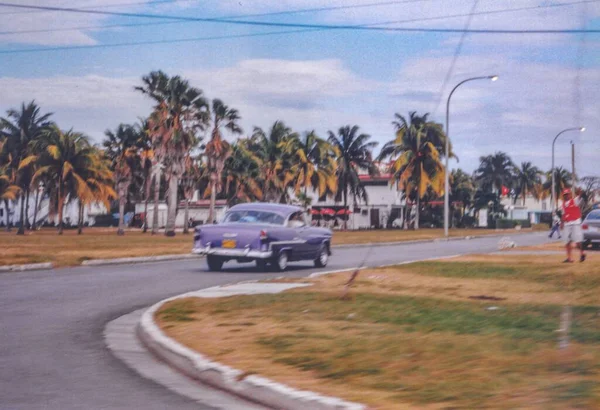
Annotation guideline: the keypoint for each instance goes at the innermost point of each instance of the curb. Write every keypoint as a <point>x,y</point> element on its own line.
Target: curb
<point>26,267</point>
<point>415,241</point>
<point>253,388</point>
<point>141,259</point>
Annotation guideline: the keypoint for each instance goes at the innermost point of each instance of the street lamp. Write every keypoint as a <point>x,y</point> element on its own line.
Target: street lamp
<point>447,176</point>
<point>552,188</point>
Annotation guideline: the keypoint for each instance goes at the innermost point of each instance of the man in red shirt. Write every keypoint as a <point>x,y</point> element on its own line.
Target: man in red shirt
<point>571,224</point>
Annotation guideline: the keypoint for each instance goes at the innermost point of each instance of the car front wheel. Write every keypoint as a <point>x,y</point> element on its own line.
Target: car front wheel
<point>322,257</point>
<point>214,263</point>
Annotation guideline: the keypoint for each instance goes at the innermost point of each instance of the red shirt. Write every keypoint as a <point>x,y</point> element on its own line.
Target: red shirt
<point>571,211</point>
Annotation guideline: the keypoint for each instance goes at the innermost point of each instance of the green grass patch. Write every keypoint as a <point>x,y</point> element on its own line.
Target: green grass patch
<point>178,311</point>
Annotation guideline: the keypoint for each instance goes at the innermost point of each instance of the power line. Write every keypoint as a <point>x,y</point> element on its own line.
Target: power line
<point>305,25</point>
<point>455,57</point>
<point>107,6</point>
<point>489,12</point>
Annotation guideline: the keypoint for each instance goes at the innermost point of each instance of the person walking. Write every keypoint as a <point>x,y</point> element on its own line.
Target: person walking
<point>571,225</point>
<point>555,224</point>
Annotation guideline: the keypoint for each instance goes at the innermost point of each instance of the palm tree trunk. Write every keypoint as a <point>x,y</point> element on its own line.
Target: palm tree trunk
<point>418,211</point>
<point>27,209</point>
<point>156,198</point>
<point>7,216</point>
<point>186,215</point>
<point>213,198</point>
<point>122,199</point>
<point>21,230</point>
<point>35,209</point>
<point>148,185</point>
<point>80,219</point>
<point>172,206</point>
<point>61,205</point>
<point>345,206</point>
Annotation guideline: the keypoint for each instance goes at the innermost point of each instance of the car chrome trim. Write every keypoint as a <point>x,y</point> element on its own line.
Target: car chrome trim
<point>233,253</point>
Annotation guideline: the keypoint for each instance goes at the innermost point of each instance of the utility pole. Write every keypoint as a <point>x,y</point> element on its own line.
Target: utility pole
<point>573,176</point>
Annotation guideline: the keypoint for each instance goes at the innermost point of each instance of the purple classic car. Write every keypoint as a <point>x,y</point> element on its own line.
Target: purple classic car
<point>270,234</point>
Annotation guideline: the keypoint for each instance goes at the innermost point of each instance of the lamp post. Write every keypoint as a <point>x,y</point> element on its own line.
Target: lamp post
<point>447,176</point>
<point>552,188</point>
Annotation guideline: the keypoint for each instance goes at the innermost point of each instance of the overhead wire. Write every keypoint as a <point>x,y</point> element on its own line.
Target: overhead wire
<point>103,6</point>
<point>414,20</point>
<point>307,25</point>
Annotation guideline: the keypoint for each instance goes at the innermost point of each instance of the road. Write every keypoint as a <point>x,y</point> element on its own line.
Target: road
<point>52,354</point>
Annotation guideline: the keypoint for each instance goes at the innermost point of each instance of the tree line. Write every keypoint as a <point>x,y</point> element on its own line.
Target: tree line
<point>181,147</point>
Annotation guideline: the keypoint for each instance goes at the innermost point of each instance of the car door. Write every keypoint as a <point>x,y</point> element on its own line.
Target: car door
<point>301,245</point>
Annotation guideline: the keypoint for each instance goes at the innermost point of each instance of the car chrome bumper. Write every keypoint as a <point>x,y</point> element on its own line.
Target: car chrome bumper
<point>233,253</point>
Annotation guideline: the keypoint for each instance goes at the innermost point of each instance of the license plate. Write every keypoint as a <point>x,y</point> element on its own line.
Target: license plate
<point>228,243</point>
<point>593,229</point>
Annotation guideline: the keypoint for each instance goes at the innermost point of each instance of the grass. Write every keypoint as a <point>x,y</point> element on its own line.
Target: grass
<point>98,243</point>
<point>412,337</point>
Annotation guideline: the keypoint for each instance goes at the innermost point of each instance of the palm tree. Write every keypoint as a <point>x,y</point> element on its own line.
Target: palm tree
<point>189,183</point>
<point>68,160</point>
<point>354,153</point>
<point>527,177</point>
<point>218,150</point>
<point>180,112</point>
<point>494,172</point>
<point>21,127</point>
<point>416,156</point>
<point>8,191</point>
<point>275,163</point>
<point>462,189</point>
<point>122,148</point>
<point>242,176</point>
<point>313,166</point>
<point>563,180</point>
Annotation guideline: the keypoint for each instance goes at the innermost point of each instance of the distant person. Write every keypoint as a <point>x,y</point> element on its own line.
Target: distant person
<point>556,216</point>
<point>571,224</point>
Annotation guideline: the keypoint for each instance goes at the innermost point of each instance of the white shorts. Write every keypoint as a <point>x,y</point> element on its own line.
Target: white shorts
<point>573,233</point>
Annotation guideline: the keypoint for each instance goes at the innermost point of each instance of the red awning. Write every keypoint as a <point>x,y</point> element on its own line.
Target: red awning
<point>315,212</point>
<point>343,212</point>
<point>327,211</point>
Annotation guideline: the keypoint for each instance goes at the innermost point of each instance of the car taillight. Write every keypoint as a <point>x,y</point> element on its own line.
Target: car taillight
<point>263,235</point>
<point>584,227</point>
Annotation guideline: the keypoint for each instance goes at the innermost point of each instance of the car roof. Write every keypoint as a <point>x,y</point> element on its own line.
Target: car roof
<point>282,209</point>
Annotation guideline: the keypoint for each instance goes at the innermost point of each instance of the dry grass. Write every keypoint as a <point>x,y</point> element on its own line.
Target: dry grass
<point>412,336</point>
<point>71,249</point>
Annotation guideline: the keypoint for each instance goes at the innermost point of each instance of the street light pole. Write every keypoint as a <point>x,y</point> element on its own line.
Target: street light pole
<point>447,153</point>
<point>552,188</point>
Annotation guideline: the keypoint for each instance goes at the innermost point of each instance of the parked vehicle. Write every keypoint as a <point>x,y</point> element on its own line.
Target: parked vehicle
<point>591,229</point>
<point>269,234</point>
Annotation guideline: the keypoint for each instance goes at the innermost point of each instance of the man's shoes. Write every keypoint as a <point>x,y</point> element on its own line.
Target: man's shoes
<point>582,258</point>
<point>567,261</point>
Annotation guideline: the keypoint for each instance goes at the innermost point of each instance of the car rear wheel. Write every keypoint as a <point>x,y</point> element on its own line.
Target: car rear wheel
<point>587,244</point>
<point>322,257</point>
<point>214,263</point>
<point>281,262</point>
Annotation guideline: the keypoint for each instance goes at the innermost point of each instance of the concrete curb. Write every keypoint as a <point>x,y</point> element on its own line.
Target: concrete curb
<point>253,388</point>
<point>26,267</point>
<point>412,242</point>
<point>141,259</point>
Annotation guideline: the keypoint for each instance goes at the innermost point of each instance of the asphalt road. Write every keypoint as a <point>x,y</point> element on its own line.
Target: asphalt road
<point>52,354</point>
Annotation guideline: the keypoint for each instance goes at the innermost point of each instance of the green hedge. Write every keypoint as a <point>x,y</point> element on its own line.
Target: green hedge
<point>512,223</point>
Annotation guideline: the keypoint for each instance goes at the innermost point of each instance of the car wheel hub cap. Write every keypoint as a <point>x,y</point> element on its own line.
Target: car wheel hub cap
<point>283,260</point>
<point>324,257</point>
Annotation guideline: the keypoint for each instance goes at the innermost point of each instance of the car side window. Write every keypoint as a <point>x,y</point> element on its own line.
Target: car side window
<point>297,220</point>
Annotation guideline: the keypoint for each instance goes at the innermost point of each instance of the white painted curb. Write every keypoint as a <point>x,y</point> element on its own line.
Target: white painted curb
<point>254,388</point>
<point>141,259</point>
<point>26,267</point>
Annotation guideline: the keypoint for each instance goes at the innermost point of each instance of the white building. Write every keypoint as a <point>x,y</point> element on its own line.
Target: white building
<point>198,212</point>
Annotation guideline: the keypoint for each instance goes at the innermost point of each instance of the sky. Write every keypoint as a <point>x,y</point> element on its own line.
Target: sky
<point>324,79</point>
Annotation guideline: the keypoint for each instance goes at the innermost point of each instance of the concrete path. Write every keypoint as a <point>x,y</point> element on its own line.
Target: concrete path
<point>52,350</point>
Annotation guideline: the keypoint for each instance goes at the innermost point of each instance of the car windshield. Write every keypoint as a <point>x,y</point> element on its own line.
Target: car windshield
<point>254,217</point>
<point>594,215</point>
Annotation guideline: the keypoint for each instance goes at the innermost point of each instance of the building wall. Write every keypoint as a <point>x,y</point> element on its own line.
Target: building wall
<point>70,212</point>
<point>197,214</point>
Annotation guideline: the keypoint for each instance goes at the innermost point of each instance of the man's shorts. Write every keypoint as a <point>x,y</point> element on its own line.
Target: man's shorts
<point>572,233</point>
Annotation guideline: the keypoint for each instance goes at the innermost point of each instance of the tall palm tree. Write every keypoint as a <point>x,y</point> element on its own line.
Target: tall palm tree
<point>122,148</point>
<point>180,112</point>
<point>494,172</point>
<point>354,153</point>
<point>313,166</point>
<point>218,150</point>
<point>189,183</point>
<point>21,128</point>
<point>527,177</point>
<point>68,160</point>
<point>275,163</point>
<point>416,159</point>
<point>8,191</point>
